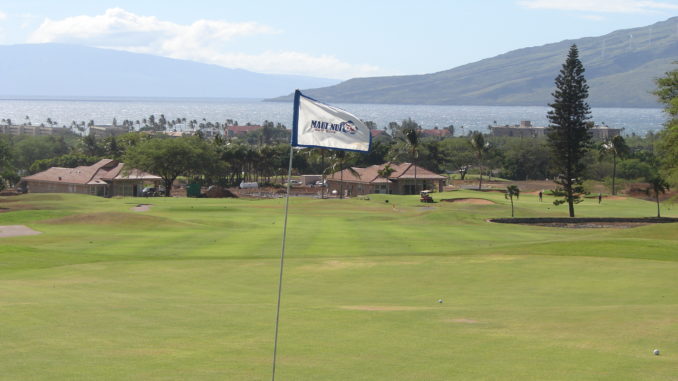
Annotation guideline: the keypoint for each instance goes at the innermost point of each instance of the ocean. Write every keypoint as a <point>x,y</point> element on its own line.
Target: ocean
<point>464,118</point>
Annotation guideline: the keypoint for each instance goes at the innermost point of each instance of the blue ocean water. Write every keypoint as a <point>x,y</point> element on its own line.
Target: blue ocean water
<point>102,111</point>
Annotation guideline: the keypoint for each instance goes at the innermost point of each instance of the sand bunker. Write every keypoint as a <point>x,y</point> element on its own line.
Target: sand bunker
<point>142,208</point>
<point>16,231</point>
<point>385,308</point>
<point>476,201</point>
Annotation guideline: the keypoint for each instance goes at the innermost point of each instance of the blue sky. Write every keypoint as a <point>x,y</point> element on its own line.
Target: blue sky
<point>338,39</point>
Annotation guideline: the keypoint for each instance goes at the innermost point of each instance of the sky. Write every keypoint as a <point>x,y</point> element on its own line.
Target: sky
<point>331,39</point>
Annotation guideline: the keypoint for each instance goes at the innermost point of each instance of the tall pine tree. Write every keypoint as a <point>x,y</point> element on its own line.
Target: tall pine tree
<point>568,132</point>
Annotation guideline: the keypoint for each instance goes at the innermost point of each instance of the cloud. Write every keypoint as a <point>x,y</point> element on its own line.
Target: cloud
<point>604,6</point>
<point>203,41</point>
<point>592,17</point>
<point>3,15</point>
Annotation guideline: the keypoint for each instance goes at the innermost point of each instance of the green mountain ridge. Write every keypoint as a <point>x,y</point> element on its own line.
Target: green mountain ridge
<point>620,69</point>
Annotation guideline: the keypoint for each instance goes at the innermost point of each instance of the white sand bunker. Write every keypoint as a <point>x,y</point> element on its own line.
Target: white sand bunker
<point>16,231</point>
<point>142,208</point>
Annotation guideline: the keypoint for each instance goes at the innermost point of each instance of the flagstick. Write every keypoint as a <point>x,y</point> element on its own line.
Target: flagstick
<point>282,262</point>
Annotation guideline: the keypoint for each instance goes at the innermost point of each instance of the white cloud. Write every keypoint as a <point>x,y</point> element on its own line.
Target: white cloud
<point>592,17</point>
<point>605,6</point>
<point>203,41</point>
<point>3,15</point>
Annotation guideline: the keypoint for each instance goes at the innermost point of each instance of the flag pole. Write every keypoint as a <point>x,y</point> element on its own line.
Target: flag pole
<point>282,262</point>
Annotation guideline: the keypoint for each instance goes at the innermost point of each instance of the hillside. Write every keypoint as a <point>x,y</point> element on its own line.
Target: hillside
<point>620,68</point>
<point>69,70</point>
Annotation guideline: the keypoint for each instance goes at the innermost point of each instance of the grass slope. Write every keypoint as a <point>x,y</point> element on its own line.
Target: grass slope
<point>187,291</point>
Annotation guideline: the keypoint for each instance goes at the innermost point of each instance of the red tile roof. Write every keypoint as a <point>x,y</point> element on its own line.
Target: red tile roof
<point>242,129</point>
<point>441,133</point>
<point>102,171</point>
<point>371,173</point>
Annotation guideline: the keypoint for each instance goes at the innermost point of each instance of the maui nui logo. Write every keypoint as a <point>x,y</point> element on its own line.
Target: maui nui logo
<point>347,127</point>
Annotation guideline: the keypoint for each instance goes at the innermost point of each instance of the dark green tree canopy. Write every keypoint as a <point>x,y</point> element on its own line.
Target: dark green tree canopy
<point>667,91</point>
<point>568,133</point>
<point>170,158</point>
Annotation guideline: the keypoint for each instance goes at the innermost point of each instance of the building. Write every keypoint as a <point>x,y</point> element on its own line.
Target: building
<point>105,178</point>
<point>239,130</point>
<point>31,130</point>
<point>526,130</point>
<point>401,181</point>
<point>104,131</point>
<point>437,133</point>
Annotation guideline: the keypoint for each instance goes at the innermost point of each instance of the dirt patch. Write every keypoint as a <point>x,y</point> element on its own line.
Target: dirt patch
<point>111,218</point>
<point>16,231</point>
<point>338,265</point>
<point>475,201</point>
<point>461,321</point>
<point>585,223</point>
<point>385,308</point>
<point>142,208</point>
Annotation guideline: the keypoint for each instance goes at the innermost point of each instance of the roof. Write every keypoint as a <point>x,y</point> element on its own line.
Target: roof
<point>242,129</point>
<point>103,171</point>
<point>441,133</point>
<point>371,173</point>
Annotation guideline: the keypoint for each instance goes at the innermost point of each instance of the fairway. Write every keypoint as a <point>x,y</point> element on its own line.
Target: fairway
<point>186,289</point>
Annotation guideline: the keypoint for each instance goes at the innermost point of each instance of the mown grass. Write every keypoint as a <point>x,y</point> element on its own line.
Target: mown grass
<point>187,291</point>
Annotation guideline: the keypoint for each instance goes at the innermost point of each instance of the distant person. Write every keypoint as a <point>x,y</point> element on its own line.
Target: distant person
<point>541,195</point>
<point>600,197</point>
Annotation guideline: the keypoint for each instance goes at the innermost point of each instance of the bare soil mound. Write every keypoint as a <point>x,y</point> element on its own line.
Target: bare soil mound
<point>385,308</point>
<point>111,218</point>
<point>142,207</point>
<point>583,223</point>
<point>476,201</point>
<point>16,231</point>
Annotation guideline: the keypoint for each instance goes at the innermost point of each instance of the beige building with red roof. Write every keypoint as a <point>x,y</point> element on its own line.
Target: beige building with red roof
<point>105,178</point>
<point>401,181</point>
<point>237,130</point>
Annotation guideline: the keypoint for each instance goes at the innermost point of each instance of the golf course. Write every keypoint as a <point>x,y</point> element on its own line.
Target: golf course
<point>376,288</point>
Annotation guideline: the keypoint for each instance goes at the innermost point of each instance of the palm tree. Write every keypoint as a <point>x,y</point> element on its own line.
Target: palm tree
<point>481,147</point>
<point>512,191</point>
<point>386,173</point>
<point>657,185</point>
<point>412,139</point>
<point>339,158</point>
<point>618,148</point>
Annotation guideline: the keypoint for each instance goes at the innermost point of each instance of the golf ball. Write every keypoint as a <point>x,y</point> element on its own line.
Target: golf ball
<point>656,352</point>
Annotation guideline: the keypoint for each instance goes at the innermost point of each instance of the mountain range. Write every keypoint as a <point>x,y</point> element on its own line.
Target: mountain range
<point>620,69</point>
<point>60,70</point>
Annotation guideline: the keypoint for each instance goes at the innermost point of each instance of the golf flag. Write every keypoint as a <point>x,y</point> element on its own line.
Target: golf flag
<point>320,125</point>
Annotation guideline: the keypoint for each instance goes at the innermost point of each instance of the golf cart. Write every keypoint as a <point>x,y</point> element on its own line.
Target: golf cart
<point>425,196</point>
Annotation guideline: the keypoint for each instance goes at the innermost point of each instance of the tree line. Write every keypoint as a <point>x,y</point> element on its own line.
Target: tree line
<point>567,154</point>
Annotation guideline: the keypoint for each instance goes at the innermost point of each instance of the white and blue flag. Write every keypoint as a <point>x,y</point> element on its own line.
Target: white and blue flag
<point>320,125</point>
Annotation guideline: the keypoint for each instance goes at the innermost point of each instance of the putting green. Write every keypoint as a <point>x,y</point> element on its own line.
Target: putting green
<point>187,288</point>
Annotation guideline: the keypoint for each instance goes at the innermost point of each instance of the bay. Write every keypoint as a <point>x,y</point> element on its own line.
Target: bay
<point>464,118</point>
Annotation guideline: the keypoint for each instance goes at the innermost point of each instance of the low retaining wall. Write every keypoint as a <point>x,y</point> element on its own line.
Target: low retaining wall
<point>584,220</point>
